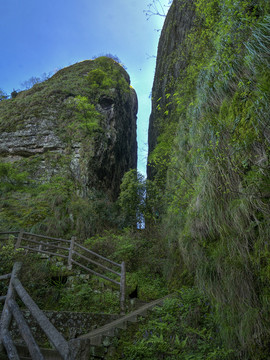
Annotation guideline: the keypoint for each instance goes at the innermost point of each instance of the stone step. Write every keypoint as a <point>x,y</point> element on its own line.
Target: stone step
<point>49,354</point>
<point>97,336</point>
<point>100,339</point>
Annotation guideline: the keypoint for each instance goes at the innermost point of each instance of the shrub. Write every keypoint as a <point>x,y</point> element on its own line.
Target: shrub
<point>183,328</point>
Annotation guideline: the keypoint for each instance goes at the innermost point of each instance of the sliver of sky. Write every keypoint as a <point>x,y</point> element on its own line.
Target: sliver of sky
<point>40,36</point>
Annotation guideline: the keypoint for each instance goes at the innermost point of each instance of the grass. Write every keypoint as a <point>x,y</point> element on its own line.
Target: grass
<point>217,192</point>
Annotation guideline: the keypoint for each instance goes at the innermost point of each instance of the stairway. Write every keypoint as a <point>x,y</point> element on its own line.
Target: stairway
<point>23,353</point>
<point>100,339</point>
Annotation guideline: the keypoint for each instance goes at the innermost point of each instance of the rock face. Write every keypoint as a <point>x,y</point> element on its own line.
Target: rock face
<point>172,60</point>
<point>36,137</point>
<point>65,145</point>
<point>209,156</point>
<point>41,120</point>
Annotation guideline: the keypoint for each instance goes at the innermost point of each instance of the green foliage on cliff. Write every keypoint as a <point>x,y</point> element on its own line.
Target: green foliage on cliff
<point>57,187</point>
<point>140,200</point>
<point>183,328</point>
<point>47,97</point>
<point>52,207</point>
<point>3,95</point>
<point>87,118</point>
<point>131,199</point>
<point>107,75</point>
<point>217,185</point>
<point>41,276</point>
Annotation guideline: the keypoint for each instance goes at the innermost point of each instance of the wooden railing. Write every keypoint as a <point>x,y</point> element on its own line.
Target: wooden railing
<point>73,253</point>
<point>11,309</point>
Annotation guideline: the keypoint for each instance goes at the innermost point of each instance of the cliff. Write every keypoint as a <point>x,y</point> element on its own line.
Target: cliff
<point>79,125</point>
<point>209,156</point>
<point>172,60</point>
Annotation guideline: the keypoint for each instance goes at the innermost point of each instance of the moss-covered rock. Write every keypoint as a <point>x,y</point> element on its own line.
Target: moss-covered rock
<point>76,130</point>
<point>209,144</point>
<point>172,61</point>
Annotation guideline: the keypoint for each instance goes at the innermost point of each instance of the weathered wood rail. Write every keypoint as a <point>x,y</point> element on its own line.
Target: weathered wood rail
<point>11,309</point>
<point>73,253</point>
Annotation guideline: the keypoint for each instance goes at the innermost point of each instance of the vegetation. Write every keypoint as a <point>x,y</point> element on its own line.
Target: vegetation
<point>183,328</point>
<point>217,183</point>
<point>157,8</point>
<point>84,292</point>
<point>87,118</point>
<point>3,95</point>
<point>140,200</point>
<point>77,80</point>
<point>206,209</point>
<point>28,84</point>
<point>54,208</point>
<point>60,201</point>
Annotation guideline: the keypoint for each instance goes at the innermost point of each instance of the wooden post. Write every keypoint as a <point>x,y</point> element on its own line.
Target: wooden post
<point>52,333</point>
<point>123,288</point>
<point>19,239</point>
<point>9,345</point>
<point>25,331</point>
<point>72,241</point>
<point>40,248</point>
<point>6,313</point>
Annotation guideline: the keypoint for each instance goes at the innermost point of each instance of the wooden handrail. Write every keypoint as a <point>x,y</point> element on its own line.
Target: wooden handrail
<point>11,308</point>
<point>8,232</point>
<point>53,335</point>
<point>9,345</point>
<point>96,263</point>
<point>99,256</point>
<point>71,251</point>
<point>123,287</point>
<point>6,314</point>
<point>45,244</point>
<point>25,331</point>
<point>96,273</point>
<point>44,251</point>
<point>46,237</point>
<point>5,277</point>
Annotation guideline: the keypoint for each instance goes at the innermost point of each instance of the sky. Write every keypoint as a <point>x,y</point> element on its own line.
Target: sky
<point>43,36</point>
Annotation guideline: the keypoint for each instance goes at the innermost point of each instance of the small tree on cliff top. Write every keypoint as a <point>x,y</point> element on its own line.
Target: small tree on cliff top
<point>131,198</point>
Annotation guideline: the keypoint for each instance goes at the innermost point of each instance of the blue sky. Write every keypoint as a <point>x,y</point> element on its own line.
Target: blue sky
<point>40,36</point>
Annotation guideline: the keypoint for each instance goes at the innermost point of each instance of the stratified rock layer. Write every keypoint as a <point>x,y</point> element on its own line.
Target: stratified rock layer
<point>41,125</point>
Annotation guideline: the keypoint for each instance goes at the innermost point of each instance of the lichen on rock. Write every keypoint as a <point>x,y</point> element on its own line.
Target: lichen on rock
<point>80,125</point>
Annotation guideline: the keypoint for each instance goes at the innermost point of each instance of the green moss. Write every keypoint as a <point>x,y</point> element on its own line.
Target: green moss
<point>49,97</point>
<point>55,196</point>
<point>217,187</point>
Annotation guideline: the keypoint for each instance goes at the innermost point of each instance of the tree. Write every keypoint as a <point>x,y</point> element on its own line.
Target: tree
<point>156,7</point>
<point>87,117</point>
<point>14,94</point>
<point>140,199</point>
<point>3,95</point>
<point>27,84</point>
<point>131,198</point>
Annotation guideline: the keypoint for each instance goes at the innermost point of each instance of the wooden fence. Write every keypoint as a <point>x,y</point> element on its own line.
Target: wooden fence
<point>12,310</point>
<point>73,253</point>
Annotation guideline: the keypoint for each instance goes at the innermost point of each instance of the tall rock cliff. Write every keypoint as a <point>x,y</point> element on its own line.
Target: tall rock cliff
<point>209,139</point>
<point>172,61</point>
<point>78,126</point>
